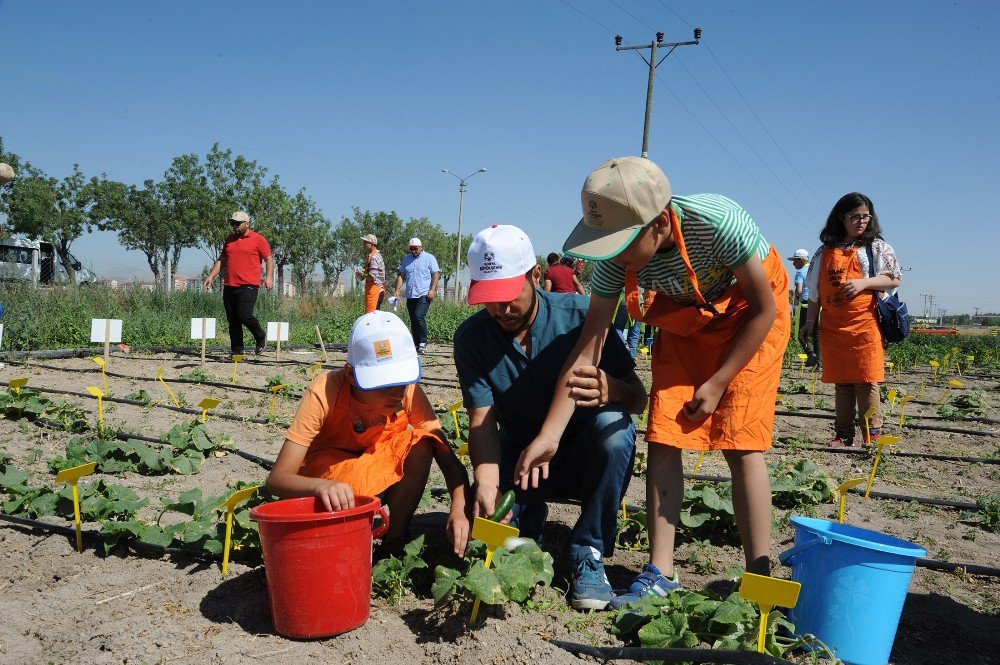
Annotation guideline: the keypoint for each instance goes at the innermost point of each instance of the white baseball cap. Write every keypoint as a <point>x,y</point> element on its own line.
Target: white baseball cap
<point>498,259</point>
<point>799,254</point>
<point>619,197</point>
<point>415,242</point>
<point>381,352</point>
<point>239,216</point>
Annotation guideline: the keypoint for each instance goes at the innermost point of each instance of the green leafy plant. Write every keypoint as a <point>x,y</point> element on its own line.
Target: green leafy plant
<point>393,578</point>
<point>707,513</point>
<point>198,375</point>
<point>32,405</point>
<point>140,396</point>
<point>633,532</point>
<point>797,388</point>
<point>290,387</point>
<point>800,485</point>
<point>448,426</point>
<point>972,404</point>
<point>513,576</point>
<point>685,619</point>
<point>988,512</point>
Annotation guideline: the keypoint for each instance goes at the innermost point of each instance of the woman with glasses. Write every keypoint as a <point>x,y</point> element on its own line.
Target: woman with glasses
<point>852,268</point>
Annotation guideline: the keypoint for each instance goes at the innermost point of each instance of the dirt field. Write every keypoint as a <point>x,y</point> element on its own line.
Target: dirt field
<point>60,606</point>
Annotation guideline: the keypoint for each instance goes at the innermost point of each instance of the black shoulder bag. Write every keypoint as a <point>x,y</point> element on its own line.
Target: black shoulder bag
<point>890,312</point>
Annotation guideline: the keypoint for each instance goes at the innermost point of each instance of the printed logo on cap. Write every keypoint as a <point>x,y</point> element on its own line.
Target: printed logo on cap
<point>593,216</point>
<point>489,263</point>
<point>383,350</point>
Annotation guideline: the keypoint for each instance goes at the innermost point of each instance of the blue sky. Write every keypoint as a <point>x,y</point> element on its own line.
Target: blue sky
<point>784,107</point>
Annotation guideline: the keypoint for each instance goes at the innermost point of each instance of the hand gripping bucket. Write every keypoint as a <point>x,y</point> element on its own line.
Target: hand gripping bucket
<point>854,582</point>
<point>318,564</point>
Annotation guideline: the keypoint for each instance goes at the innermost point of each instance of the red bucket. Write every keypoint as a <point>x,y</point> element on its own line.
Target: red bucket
<point>318,564</point>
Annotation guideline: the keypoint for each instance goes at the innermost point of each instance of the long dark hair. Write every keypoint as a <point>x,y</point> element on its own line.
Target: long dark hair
<point>833,233</point>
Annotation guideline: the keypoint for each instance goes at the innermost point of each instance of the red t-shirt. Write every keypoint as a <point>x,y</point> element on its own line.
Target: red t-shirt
<point>242,256</point>
<point>562,278</point>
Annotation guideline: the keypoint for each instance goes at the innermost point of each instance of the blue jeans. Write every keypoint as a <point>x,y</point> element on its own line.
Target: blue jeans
<point>417,308</point>
<point>593,465</point>
<point>632,340</point>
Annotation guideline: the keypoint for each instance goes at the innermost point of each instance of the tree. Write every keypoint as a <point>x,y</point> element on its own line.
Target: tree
<point>310,230</point>
<point>235,184</point>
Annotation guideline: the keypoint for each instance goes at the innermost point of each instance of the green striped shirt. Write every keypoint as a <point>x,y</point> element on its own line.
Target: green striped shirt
<point>719,236</point>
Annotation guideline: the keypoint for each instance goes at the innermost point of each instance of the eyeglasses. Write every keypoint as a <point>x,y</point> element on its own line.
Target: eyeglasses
<point>233,222</point>
<point>855,218</point>
<point>414,249</point>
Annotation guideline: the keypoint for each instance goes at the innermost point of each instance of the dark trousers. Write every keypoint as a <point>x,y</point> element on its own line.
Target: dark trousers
<point>810,345</point>
<point>417,308</point>
<point>239,302</point>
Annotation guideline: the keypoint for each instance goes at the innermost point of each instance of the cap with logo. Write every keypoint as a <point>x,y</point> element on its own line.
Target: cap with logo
<point>239,216</point>
<point>498,259</point>
<point>415,242</point>
<point>381,351</point>
<point>799,254</point>
<point>370,238</point>
<point>619,197</point>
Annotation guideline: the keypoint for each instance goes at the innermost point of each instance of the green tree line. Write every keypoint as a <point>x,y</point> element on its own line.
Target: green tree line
<point>188,208</point>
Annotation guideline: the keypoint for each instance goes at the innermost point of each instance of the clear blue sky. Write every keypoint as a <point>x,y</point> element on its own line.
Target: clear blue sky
<point>362,103</point>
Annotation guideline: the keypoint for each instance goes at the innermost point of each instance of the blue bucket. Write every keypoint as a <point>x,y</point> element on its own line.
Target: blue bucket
<point>854,582</point>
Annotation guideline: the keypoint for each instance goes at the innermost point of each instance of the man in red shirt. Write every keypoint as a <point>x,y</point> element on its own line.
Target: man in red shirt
<point>559,278</point>
<point>240,258</point>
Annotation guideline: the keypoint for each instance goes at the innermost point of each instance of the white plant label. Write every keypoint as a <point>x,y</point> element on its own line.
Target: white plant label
<point>272,331</point>
<point>99,326</point>
<point>196,328</point>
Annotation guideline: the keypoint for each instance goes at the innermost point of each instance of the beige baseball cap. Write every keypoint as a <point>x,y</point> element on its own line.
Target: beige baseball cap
<point>370,238</point>
<point>6,173</point>
<point>619,197</point>
<point>239,216</point>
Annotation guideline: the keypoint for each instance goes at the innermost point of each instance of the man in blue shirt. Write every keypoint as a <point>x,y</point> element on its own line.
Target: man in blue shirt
<point>800,304</point>
<point>420,271</point>
<point>509,357</point>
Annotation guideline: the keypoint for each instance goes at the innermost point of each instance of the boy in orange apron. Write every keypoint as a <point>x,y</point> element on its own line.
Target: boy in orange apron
<point>719,299</point>
<point>373,272</point>
<point>368,429</point>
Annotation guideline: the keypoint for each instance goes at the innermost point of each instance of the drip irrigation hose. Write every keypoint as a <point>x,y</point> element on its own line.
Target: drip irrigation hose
<point>862,450</point>
<point>985,421</point>
<point>932,428</point>
<point>671,655</point>
<point>61,354</point>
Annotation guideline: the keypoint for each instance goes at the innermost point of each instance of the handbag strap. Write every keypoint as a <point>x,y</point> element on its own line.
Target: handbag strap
<point>871,269</point>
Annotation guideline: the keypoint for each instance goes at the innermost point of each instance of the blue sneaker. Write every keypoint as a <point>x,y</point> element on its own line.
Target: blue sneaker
<point>650,582</point>
<point>591,589</point>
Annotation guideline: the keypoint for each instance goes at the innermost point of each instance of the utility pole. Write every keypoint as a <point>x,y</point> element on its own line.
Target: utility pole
<point>653,64</point>
<point>168,279</point>
<point>976,315</point>
<point>458,251</point>
<point>928,305</point>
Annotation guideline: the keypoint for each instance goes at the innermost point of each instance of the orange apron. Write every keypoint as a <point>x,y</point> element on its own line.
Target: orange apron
<point>851,347</point>
<point>372,290</point>
<point>370,461</point>
<point>692,344</point>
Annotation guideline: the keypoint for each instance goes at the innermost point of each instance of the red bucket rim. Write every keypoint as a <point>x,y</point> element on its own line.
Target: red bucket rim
<point>267,512</point>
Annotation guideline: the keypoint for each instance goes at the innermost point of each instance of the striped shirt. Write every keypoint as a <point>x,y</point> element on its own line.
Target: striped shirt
<point>719,236</point>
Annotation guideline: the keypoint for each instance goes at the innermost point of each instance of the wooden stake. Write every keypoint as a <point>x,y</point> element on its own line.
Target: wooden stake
<point>107,339</point>
<point>322,347</point>
<point>204,323</point>
<point>277,351</point>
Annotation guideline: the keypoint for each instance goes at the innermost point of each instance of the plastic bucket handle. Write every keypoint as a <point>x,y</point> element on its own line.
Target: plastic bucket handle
<point>379,531</point>
<point>787,555</point>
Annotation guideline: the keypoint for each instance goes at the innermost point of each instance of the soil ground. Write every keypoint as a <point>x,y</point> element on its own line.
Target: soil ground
<point>60,606</point>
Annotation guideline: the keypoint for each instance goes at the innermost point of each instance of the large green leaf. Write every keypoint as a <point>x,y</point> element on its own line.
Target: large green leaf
<point>483,584</point>
<point>667,630</point>
<point>445,580</point>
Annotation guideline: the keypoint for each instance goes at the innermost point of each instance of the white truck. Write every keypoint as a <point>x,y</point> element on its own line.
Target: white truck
<point>36,261</point>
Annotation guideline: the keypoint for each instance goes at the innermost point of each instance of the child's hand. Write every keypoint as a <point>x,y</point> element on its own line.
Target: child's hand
<point>458,526</point>
<point>705,401</point>
<point>334,495</point>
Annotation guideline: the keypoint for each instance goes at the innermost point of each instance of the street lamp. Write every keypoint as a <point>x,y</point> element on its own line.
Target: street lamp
<point>461,200</point>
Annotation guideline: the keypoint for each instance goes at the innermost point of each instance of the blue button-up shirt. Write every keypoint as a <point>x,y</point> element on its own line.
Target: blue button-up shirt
<point>417,272</point>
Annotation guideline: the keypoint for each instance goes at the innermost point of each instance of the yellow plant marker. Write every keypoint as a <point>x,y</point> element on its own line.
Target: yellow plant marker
<point>768,592</point>
<point>935,364</point>
<point>891,395</point>
<point>624,510</point>
<point>494,535</point>
<point>462,451</point>
<point>17,384</point>
<point>847,486</point>
<point>802,361</point>
<point>881,442</point>
<point>159,377</point>
<point>315,371</point>
<point>814,384</point>
<point>697,465</point>
<point>868,414</point>
<point>236,499</point>
<point>945,361</point>
<point>96,392</point>
<point>206,404</point>
<point>902,408</point>
<point>72,476</point>
<point>104,377</point>
<point>274,395</point>
<point>236,359</point>
<point>645,416</point>
<point>954,383</point>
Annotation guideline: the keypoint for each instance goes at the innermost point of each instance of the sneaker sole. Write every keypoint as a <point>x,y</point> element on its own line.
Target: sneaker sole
<point>589,604</point>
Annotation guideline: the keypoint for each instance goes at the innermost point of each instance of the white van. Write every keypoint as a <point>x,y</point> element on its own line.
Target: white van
<point>36,261</point>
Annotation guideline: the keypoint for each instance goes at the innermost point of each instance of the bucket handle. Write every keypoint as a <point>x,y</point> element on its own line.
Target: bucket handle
<point>379,531</point>
<point>787,555</point>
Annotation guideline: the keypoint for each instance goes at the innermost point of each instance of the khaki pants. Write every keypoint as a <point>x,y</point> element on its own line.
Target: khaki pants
<point>853,399</point>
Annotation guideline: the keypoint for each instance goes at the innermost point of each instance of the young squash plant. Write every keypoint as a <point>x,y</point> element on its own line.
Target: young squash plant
<point>513,576</point>
<point>393,578</point>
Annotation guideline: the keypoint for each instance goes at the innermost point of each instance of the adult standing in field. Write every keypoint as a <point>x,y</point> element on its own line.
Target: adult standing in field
<point>240,260</point>
<point>373,272</point>
<point>559,278</point>
<point>719,300</point>
<point>800,304</point>
<point>420,271</point>
<point>852,268</point>
<point>508,357</point>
